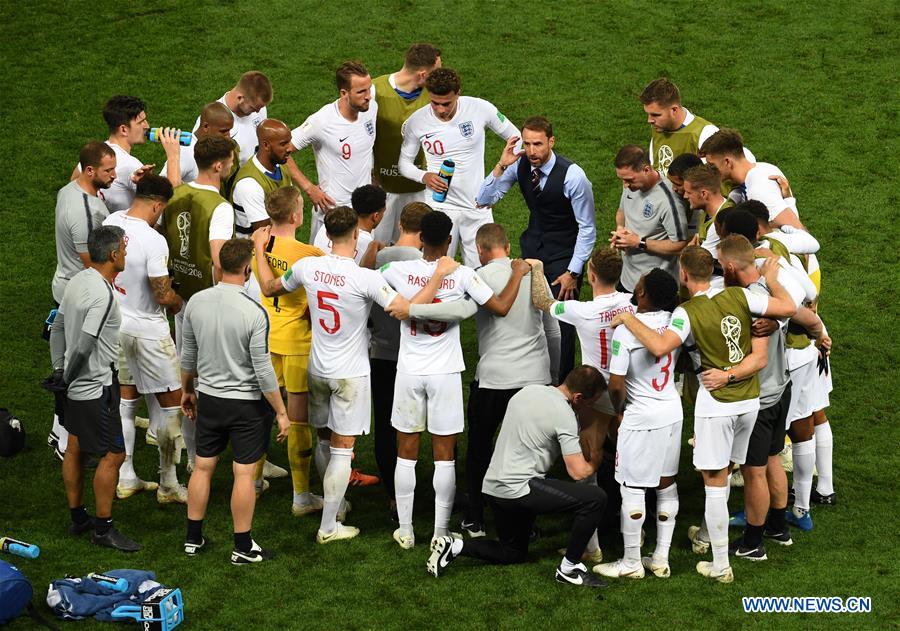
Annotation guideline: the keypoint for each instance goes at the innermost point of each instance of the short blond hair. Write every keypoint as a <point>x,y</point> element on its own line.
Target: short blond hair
<point>255,85</point>
<point>281,202</point>
<point>696,262</point>
<point>735,248</point>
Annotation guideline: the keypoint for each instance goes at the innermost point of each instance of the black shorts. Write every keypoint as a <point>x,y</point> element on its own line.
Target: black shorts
<point>96,422</point>
<point>247,424</point>
<point>767,438</point>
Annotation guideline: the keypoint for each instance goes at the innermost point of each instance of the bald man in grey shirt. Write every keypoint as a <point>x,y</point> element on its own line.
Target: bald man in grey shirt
<point>525,338</point>
<point>225,347</point>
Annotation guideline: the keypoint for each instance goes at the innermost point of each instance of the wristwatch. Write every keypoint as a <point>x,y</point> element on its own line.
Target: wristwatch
<point>731,377</point>
<point>642,244</point>
<point>574,275</point>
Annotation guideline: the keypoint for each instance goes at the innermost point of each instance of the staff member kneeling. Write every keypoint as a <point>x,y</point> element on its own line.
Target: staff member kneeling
<point>225,346</point>
<point>541,422</point>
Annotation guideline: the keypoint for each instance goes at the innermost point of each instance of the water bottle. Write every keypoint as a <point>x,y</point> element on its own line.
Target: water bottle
<point>446,174</point>
<point>19,548</point>
<point>154,134</point>
<point>113,583</point>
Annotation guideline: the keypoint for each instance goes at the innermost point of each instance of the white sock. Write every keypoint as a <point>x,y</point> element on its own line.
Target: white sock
<point>405,493</point>
<point>717,523</point>
<point>61,434</point>
<point>666,511</point>
<point>804,461</point>
<point>334,483</point>
<point>633,514</point>
<point>301,499</point>
<point>567,566</point>
<point>457,546</point>
<point>444,482</point>
<point>323,453</point>
<point>824,450</point>
<point>728,486</point>
<point>189,436</point>
<point>127,409</point>
<point>168,432</point>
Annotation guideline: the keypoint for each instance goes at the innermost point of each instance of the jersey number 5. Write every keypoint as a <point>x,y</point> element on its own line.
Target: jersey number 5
<point>324,306</point>
<point>666,371</point>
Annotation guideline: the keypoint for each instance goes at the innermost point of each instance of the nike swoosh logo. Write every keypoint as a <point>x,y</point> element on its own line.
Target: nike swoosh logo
<point>343,139</point>
<point>430,135</point>
<point>578,582</point>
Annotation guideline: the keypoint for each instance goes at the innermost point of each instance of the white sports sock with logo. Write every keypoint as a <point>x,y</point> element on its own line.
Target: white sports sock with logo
<point>405,493</point>
<point>824,451</point>
<point>334,485</point>
<point>633,514</point>
<point>444,482</point>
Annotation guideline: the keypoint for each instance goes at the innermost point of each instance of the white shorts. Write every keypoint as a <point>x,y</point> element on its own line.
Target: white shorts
<point>806,392</point>
<point>150,365</point>
<point>643,456</point>
<point>720,440</point>
<point>466,222</point>
<point>434,402</point>
<point>342,405</point>
<point>388,230</point>
<point>604,404</point>
<point>825,386</point>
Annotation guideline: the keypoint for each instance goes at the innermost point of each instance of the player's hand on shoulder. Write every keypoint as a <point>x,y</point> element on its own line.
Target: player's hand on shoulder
<point>261,236</point>
<point>446,266</point>
<point>783,184</point>
<point>521,267</point>
<point>620,319</point>
<point>770,269</point>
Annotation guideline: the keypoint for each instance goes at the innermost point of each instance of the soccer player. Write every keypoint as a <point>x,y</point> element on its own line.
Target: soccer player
<point>215,119</point>
<point>78,210</point>
<point>342,135</point>
<point>127,122</point>
<point>339,391</point>
<point>675,175</point>
<point>197,222</point>
<point>674,130</point>
<point>84,346</point>
<point>703,191</point>
<point>649,439</point>
<point>428,388</point>
<point>541,423</point>
<point>385,347</point>
<point>247,101</point>
<point>525,338</point>
<point>725,150</point>
<point>290,336</point>
<point>718,323</point>
<point>226,349</point>
<point>398,95</point>
<point>453,128</point>
<point>369,203</point>
<point>651,228</point>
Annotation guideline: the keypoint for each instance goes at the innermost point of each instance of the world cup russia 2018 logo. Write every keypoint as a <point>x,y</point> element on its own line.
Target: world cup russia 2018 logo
<point>183,223</point>
<point>664,158</point>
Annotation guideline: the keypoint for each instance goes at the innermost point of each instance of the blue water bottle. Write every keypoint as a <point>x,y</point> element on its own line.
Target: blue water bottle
<point>446,174</point>
<point>112,582</point>
<point>154,134</point>
<point>19,548</point>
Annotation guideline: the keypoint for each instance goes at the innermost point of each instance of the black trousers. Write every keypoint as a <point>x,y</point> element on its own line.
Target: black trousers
<point>486,410</point>
<point>384,373</point>
<point>567,332</point>
<point>514,520</point>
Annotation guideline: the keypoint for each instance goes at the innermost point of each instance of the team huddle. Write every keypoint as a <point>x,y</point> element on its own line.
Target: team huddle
<point>706,293</point>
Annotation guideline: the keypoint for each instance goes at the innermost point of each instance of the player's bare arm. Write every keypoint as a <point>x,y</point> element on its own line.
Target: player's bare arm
<point>810,320</point>
<point>169,140</point>
<point>616,387</point>
<point>658,344</point>
<point>164,295</point>
<point>541,297</point>
<point>578,467</point>
<point>321,201</point>
<point>215,246</point>
<point>500,305</point>
<point>713,379</point>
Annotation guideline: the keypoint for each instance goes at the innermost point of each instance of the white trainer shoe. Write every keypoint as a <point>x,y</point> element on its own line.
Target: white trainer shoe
<point>315,504</point>
<point>172,494</point>
<point>404,541</point>
<point>698,545</point>
<point>660,570</point>
<point>339,533</point>
<point>705,568</point>
<point>619,569</point>
<point>272,471</point>
<point>127,488</point>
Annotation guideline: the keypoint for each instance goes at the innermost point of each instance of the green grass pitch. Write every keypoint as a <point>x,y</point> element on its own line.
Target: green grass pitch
<point>813,88</point>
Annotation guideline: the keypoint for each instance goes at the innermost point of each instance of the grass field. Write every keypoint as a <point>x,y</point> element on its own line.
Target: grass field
<point>812,87</point>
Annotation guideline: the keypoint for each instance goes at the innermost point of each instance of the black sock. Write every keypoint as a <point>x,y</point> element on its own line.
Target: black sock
<point>102,525</point>
<point>79,515</point>
<point>753,536</point>
<point>243,541</point>
<point>195,531</point>
<point>776,519</point>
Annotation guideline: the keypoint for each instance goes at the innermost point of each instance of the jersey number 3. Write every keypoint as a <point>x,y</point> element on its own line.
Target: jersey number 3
<point>666,372</point>
<point>324,306</point>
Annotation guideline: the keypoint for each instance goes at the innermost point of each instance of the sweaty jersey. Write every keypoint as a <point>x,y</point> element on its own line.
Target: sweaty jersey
<point>653,401</point>
<point>340,295</point>
<point>428,347</point>
<point>362,244</point>
<point>289,325</point>
<point>460,139</point>
<point>343,149</point>
<point>592,322</point>
<point>147,257</point>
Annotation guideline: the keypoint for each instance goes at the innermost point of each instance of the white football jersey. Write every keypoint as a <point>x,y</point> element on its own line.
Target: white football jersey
<point>244,130</point>
<point>121,193</point>
<point>147,254</point>
<point>592,322</point>
<point>653,401</point>
<point>343,149</point>
<point>429,347</point>
<point>758,186</point>
<point>340,295</point>
<point>362,243</point>
<point>460,139</point>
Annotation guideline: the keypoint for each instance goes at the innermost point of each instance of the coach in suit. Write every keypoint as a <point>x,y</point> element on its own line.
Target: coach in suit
<point>561,229</point>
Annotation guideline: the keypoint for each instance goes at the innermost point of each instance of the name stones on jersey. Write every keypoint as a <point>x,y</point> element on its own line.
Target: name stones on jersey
<point>467,129</point>
<point>648,209</point>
